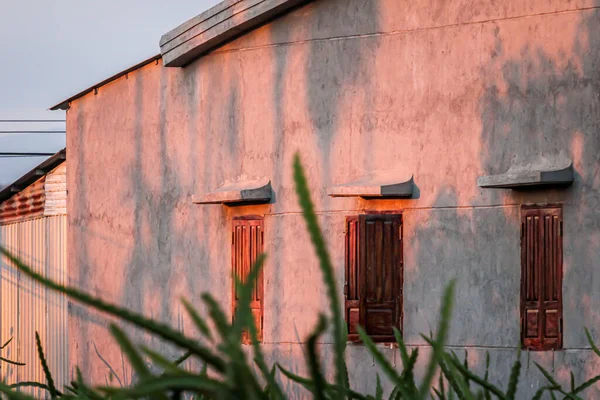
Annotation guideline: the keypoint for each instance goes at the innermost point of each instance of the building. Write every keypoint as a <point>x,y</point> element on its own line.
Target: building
<point>454,139</point>
<point>33,226</point>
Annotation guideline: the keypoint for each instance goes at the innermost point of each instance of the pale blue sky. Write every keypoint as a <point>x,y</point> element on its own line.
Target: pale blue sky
<point>52,49</point>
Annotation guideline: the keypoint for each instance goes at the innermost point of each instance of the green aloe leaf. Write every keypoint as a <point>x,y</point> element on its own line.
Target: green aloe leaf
<point>196,319</point>
<point>196,384</point>
<point>318,387</point>
<point>162,330</point>
<point>134,357</point>
<point>49,380</point>
<point>513,381</point>
<point>378,389</point>
<point>438,343</point>
<point>385,365</point>
<point>161,361</point>
<point>591,342</point>
<point>6,344</point>
<point>475,378</point>
<point>310,217</point>
<point>10,393</point>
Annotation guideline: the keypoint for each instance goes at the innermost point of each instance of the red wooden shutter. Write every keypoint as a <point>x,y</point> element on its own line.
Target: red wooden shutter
<point>351,286</point>
<point>247,245</point>
<point>541,278</point>
<point>373,287</point>
<point>380,268</point>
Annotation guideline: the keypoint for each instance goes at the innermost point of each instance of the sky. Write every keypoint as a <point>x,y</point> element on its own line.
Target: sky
<point>52,49</point>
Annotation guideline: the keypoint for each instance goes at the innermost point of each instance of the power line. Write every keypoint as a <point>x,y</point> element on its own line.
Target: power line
<point>32,120</point>
<point>18,132</point>
<point>19,154</point>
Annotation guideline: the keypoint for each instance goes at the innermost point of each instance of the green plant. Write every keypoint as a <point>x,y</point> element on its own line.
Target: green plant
<point>6,360</point>
<point>228,372</point>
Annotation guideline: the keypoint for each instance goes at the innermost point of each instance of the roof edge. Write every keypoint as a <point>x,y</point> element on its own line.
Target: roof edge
<point>36,173</point>
<point>219,25</point>
<point>64,105</point>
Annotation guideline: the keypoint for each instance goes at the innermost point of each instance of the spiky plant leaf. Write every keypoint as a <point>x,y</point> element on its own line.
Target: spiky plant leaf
<point>166,383</point>
<point>217,316</point>
<point>161,361</point>
<point>6,344</point>
<point>339,332</point>
<point>318,387</point>
<point>181,359</point>
<point>83,390</point>
<point>378,389</point>
<point>540,392</point>
<point>162,330</point>
<point>29,384</point>
<point>438,343</point>
<point>546,374</point>
<point>308,384</point>
<point>587,384</point>
<point>486,390</point>
<point>441,391</point>
<point>385,365</point>
<point>475,378</point>
<point>513,381</point>
<point>591,342</point>
<point>6,360</point>
<point>11,394</point>
<point>459,380</point>
<point>134,357</point>
<point>197,319</point>
<point>47,374</point>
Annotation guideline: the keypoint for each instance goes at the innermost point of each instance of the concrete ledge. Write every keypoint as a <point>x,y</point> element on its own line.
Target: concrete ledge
<point>376,187</point>
<point>217,26</point>
<point>543,171</point>
<point>258,191</point>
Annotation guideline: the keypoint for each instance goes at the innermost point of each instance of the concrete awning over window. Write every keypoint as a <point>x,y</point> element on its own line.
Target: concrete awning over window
<point>381,186</point>
<point>251,191</point>
<point>543,171</point>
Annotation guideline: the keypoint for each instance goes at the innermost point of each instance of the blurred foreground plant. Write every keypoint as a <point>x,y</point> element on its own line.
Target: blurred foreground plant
<point>228,372</point>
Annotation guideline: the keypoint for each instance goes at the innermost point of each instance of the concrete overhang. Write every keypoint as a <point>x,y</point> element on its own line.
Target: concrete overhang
<point>376,186</point>
<point>218,25</point>
<point>543,171</point>
<point>240,192</point>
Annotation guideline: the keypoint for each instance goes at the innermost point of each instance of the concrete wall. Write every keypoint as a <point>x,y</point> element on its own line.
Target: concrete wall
<point>447,90</point>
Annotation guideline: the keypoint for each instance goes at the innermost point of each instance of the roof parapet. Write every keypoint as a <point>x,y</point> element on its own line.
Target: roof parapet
<point>217,26</point>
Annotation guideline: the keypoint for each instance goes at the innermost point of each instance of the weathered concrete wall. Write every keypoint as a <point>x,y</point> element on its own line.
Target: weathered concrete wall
<point>447,90</point>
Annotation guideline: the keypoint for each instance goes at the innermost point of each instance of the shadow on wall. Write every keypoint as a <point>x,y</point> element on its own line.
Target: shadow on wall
<point>335,71</point>
<point>547,100</point>
<point>156,274</point>
<point>538,99</point>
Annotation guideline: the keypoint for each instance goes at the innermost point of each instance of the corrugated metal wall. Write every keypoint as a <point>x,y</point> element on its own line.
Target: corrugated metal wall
<point>28,307</point>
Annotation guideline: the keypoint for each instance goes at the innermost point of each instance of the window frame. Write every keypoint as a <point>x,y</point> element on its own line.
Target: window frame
<point>541,342</point>
<point>353,243</point>
<point>247,221</point>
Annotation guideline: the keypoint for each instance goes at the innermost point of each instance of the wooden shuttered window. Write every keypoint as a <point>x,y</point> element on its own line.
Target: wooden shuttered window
<point>247,245</point>
<point>541,278</point>
<point>373,287</point>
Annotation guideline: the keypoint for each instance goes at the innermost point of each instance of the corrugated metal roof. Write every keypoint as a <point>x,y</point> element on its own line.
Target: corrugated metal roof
<point>33,175</point>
